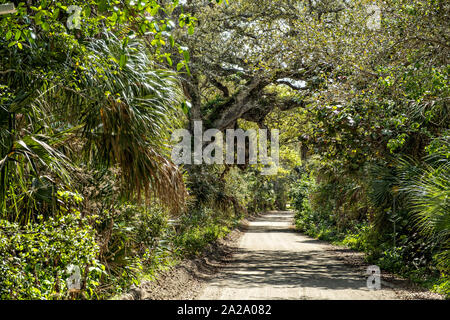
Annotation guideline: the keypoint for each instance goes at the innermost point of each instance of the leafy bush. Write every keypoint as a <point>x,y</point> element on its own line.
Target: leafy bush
<point>363,240</point>
<point>313,217</point>
<point>135,241</point>
<point>443,285</point>
<point>195,239</point>
<point>392,259</point>
<point>34,258</point>
<point>299,192</point>
<point>198,229</point>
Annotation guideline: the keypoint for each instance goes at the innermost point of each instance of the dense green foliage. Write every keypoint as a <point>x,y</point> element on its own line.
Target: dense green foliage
<point>380,179</point>
<point>397,215</point>
<point>34,259</point>
<point>86,115</point>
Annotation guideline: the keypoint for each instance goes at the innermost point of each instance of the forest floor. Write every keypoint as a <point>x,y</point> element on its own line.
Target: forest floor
<point>267,259</point>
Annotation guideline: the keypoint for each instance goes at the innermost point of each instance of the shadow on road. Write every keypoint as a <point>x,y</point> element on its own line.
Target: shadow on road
<point>289,269</point>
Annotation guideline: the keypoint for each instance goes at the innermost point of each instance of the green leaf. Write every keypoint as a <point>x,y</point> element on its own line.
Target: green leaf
<point>172,41</point>
<point>45,26</point>
<point>186,55</point>
<point>55,14</point>
<point>191,30</point>
<point>125,42</point>
<point>123,60</point>
<point>187,69</point>
<point>18,34</point>
<point>186,106</point>
<point>8,35</point>
<point>155,10</point>
<point>87,11</point>
<point>103,5</point>
<point>169,60</point>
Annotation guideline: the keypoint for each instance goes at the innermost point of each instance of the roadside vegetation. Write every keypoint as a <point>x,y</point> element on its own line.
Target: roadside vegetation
<point>87,113</point>
<point>377,179</point>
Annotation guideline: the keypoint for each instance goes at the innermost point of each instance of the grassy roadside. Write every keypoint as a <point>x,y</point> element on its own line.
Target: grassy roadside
<point>192,237</point>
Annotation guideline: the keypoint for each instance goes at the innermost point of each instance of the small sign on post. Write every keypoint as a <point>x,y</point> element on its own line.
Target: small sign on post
<point>7,8</point>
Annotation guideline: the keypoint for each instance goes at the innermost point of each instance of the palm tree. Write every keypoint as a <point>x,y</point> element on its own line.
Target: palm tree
<point>103,106</point>
<point>430,195</point>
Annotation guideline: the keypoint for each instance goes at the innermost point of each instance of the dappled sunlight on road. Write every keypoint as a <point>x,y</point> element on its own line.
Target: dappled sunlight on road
<point>275,262</point>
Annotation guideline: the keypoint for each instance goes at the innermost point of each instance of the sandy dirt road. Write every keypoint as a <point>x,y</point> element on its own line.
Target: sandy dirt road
<point>275,262</point>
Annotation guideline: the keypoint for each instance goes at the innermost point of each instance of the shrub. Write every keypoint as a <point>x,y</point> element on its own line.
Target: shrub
<point>134,242</point>
<point>198,229</point>
<point>443,285</point>
<point>34,258</point>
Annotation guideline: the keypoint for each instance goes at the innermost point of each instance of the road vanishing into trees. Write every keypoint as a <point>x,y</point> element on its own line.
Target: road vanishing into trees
<point>275,262</point>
